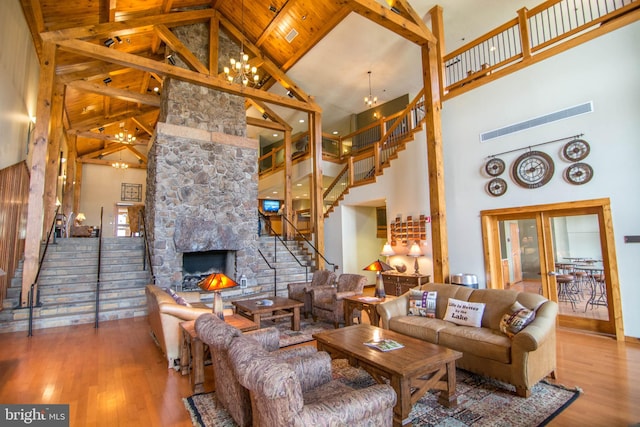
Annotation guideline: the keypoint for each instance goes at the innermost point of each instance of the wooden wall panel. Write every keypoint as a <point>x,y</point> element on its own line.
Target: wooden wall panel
<point>14,193</point>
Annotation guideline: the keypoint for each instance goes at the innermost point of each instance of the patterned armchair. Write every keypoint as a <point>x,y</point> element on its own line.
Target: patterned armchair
<point>327,302</point>
<point>233,396</point>
<point>278,399</point>
<point>301,291</point>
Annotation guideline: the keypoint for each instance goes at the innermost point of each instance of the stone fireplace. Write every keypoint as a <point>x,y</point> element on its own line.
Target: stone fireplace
<point>202,181</point>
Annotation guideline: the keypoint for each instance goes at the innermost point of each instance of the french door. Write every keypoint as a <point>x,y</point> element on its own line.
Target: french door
<point>564,251</point>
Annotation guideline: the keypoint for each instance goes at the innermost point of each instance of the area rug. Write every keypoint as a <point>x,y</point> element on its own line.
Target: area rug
<point>307,328</point>
<point>481,402</point>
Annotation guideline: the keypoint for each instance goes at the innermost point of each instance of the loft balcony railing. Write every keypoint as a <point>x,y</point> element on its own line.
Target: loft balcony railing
<point>273,161</point>
<point>547,26</point>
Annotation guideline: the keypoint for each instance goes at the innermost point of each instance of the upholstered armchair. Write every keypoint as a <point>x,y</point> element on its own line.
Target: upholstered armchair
<point>301,291</point>
<point>278,398</point>
<point>229,392</point>
<point>327,301</point>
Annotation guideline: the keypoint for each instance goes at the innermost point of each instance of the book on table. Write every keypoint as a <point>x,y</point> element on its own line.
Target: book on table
<point>384,344</point>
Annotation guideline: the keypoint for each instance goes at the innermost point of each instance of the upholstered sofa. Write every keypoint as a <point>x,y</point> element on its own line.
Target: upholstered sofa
<point>165,316</point>
<point>233,396</point>
<point>278,397</point>
<point>521,360</point>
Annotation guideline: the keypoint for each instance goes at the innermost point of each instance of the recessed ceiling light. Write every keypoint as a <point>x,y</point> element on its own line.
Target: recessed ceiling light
<point>298,185</point>
<point>305,195</point>
<point>275,192</point>
<point>335,132</point>
<point>275,134</point>
<point>301,120</point>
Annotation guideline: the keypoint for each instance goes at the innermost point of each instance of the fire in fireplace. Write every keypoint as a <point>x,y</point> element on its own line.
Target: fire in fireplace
<point>198,265</point>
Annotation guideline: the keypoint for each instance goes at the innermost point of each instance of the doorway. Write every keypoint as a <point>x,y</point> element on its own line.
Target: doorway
<point>563,251</point>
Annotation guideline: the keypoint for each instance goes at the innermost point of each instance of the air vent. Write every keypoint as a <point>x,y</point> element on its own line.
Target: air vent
<point>538,121</point>
<point>292,35</point>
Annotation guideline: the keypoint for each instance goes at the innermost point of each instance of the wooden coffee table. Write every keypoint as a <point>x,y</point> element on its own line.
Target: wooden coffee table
<point>281,308</point>
<point>419,365</point>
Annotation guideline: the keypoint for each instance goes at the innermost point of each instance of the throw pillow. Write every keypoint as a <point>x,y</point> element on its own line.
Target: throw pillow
<point>464,313</point>
<point>422,303</point>
<point>177,298</point>
<point>516,319</point>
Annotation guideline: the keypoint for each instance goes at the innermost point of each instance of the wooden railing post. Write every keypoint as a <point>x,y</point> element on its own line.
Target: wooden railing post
<point>376,157</point>
<point>523,23</point>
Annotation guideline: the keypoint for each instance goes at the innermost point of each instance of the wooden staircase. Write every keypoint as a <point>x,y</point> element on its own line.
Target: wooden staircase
<point>364,166</point>
<point>67,284</point>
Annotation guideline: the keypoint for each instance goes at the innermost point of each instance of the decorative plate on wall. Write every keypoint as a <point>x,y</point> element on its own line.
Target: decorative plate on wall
<point>497,187</point>
<point>578,173</point>
<point>494,167</point>
<point>576,150</point>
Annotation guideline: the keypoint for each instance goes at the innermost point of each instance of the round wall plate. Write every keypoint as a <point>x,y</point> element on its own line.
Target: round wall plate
<point>533,169</point>
<point>494,166</point>
<point>497,187</point>
<point>578,173</point>
<point>576,150</point>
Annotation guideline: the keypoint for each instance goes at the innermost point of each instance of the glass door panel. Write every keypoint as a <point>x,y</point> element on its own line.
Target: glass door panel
<point>578,266</point>
<point>520,255</point>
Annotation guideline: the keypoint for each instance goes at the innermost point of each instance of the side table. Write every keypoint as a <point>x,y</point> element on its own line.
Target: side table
<point>192,349</point>
<point>363,303</point>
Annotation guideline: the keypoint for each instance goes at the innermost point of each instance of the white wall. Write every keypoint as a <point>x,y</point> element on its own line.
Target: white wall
<point>101,187</point>
<point>20,70</point>
<point>604,71</point>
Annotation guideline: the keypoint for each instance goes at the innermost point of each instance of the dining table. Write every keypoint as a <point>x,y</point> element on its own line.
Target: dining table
<point>596,280</point>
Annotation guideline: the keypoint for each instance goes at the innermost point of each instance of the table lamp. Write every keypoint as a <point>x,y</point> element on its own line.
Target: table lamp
<point>379,266</point>
<point>80,218</point>
<point>416,253</point>
<point>215,282</point>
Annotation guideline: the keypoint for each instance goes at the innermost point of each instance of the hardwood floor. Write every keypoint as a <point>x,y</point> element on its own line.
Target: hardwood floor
<point>116,376</point>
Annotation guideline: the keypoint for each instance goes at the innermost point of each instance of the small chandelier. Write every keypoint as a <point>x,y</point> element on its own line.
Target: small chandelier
<point>125,137</point>
<point>370,100</point>
<point>240,70</point>
<point>119,165</point>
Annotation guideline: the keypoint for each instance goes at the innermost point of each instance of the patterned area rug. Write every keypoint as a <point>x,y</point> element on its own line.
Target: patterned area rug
<point>307,328</point>
<point>481,402</point>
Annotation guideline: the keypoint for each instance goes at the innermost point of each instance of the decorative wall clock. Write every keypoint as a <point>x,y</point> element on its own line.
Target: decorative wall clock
<point>497,187</point>
<point>533,169</point>
<point>576,150</point>
<point>494,166</point>
<point>578,173</point>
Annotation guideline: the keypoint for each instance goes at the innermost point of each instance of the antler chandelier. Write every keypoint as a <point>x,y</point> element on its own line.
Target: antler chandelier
<point>240,70</point>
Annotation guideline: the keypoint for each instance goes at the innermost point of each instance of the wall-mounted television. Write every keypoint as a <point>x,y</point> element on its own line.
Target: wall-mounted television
<point>270,206</point>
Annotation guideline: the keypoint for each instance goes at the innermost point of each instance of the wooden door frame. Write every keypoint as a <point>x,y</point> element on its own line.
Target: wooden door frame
<point>541,213</point>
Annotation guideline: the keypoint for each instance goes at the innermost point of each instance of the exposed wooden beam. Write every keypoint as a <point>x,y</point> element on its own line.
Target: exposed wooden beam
<point>35,20</point>
<point>103,137</point>
<point>144,126</point>
<point>178,47</point>
<point>38,167</point>
<point>379,14</point>
<point>129,60</point>
<point>53,155</point>
<point>138,154</point>
<point>113,92</point>
<point>109,162</point>
<point>165,8</point>
<point>138,25</point>
<point>103,121</point>
<point>265,124</point>
<point>317,203</point>
<point>264,109</point>
<point>214,48</point>
<point>435,162</point>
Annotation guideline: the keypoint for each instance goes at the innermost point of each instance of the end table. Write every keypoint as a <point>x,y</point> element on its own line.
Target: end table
<point>364,303</point>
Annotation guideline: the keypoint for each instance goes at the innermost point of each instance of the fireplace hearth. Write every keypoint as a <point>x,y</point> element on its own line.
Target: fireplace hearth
<point>198,265</point>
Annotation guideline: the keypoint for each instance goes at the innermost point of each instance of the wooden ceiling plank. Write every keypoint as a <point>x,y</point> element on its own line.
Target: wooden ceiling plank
<point>178,47</point>
<point>101,121</point>
<point>113,92</point>
<point>136,25</point>
<point>282,15</point>
<point>384,17</point>
<point>130,60</point>
<point>268,65</point>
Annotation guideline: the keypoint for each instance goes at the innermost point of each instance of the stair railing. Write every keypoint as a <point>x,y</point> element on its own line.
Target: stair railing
<point>35,281</point>
<point>147,253</point>
<point>277,238</point>
<point>275,273</point>
<point>97,321</point>
<point>364,165</point>
<point>315,250</point>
